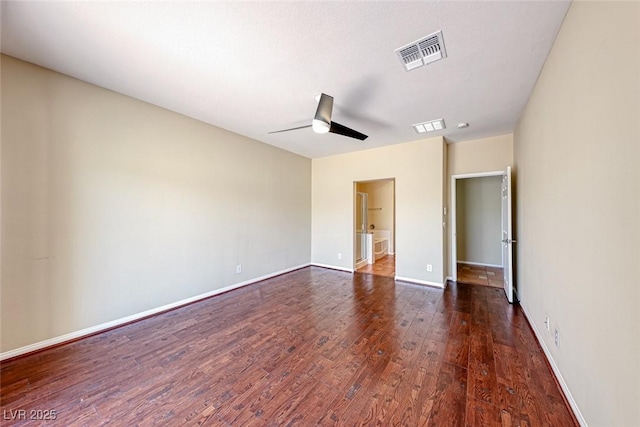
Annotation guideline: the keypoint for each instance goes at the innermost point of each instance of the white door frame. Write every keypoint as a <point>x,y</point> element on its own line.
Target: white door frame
<point>452,217</point>
<point>393,231</point>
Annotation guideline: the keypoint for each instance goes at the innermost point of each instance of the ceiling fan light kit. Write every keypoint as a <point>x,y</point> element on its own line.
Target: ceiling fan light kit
<point>320,126</point>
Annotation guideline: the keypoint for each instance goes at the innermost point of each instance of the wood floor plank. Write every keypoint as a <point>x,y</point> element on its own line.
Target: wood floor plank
<point>311,347</point>
<point>449,407</point>
<point>482,414</point>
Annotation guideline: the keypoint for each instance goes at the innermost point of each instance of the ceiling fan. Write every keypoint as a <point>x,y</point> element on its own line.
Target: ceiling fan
<point>322,123</point>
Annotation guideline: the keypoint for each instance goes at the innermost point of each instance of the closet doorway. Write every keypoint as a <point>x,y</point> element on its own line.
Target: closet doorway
<point>477,254</point>
<point>485,199</point>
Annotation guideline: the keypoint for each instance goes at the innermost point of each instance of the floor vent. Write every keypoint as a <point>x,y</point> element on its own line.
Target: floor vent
<point>422,52</point>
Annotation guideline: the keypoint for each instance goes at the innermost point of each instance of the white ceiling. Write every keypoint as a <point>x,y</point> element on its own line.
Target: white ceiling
<point>255,67</point>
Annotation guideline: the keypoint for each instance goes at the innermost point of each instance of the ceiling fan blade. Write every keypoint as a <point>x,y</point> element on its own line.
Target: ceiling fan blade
<point>287,130</point>
<point>345,131</point>
<point>325,107</point>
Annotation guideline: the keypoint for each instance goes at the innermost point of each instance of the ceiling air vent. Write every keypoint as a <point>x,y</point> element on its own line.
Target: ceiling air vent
<point>410,57</point>
<point>430,126</point>
<point>422,52</point>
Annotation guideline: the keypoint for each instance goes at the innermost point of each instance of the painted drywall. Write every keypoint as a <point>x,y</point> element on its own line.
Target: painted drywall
<point>471,157</point>
<point>111,206</point>
<point>418,171</point>
<point>577,151</point>
<point>381,206</point>
<point>480,155</point>
<point>479,220</point>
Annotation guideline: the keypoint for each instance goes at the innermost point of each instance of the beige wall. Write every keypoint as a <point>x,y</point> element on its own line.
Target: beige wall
<point>480,155</point>
<point>418,171</point>
<point>381,206</point>
<point>577,150</point>
<point>470,157</point>
<point>111,206</point>
<point>479,220</point>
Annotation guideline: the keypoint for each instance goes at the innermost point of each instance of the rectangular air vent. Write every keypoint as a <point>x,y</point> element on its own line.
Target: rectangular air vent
<point>422,52</point>
<point>411,57</point>
<point>430,126</point>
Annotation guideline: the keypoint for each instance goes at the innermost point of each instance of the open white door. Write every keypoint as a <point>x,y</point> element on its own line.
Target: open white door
<point>507,235</point>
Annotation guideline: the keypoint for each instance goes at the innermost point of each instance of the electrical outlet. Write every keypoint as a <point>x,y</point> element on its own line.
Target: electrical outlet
<point>556,337</point>
<point>547,323</point>
<point>238,268</point>
<point>429,267</point>
<point>339,256</point>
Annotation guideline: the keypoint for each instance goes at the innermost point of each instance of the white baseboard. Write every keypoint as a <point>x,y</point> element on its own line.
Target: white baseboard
<point>421,282</point>
<point>556,370</point>
<point>449,278</point>
<point>332,267</point>
<point>481,264</point>
<point>108,325</point>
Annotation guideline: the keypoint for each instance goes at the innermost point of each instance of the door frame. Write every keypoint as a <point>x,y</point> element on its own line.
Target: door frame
<point>453,257</point>
<point>394,203</point>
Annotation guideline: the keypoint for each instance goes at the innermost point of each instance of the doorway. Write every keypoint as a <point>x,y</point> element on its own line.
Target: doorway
<point>374,227</point>
<point>481,230</point>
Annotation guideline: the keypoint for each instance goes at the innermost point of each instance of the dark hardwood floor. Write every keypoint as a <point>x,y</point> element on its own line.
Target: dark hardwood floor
<point>385,266</point>
<point>312,347</point>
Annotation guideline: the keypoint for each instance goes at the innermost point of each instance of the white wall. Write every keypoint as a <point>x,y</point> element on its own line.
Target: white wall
<point>577,150</point>
<point>111,206</point>
<point>418,170</point>
<point>479,220</point>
